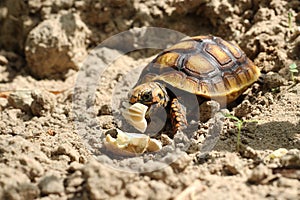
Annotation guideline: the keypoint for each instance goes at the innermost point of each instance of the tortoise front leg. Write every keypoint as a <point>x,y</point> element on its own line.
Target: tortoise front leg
<point>178,116</point>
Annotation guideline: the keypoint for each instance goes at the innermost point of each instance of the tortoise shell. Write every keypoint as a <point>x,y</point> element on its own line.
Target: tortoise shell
<point>207,66</point>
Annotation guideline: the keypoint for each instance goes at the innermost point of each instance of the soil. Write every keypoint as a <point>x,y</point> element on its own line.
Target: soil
<point>65,69</point>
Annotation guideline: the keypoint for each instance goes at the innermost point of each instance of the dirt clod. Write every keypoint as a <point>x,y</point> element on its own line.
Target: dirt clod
<point>43,102</point>
<point>21,100</point>
<point>259,173</point>
<point>51,185</point>
<point>291,159</point>
<point>208,110</point>
<point>243,109</point>
<point>105,110</point>
<point>56,45</point>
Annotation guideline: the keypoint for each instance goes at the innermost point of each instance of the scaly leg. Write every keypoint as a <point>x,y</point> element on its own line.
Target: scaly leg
<point>178,116</point>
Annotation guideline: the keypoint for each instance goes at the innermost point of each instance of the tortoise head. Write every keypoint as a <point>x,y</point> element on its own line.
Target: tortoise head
<point>146,101</point>
<point>150,93</point>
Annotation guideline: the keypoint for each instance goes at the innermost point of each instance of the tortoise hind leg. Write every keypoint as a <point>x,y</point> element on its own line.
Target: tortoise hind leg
<point>178,116</point>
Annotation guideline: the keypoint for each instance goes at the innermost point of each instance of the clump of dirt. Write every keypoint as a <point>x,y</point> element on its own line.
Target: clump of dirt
<point>52,129</point>
<point>56,45</point>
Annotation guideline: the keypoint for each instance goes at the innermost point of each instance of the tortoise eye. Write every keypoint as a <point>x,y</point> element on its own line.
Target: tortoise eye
<point>147,96</point>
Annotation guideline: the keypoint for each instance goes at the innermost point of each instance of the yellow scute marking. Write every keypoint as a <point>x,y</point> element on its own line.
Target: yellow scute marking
<point>204,90</point>
<point>199,64</point>
<point>168,59</point>
<point>219,87</point>
<point>190,84</point>
<point>201,37</point>
<point>174,78</point>
<point>182,45</point>
<point>218,53</point>
<point>242,76</point>
<point>231,80</point>
<point>232,49</point>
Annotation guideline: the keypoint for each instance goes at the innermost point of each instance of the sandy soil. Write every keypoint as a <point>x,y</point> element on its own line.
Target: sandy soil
<point>59,96</point>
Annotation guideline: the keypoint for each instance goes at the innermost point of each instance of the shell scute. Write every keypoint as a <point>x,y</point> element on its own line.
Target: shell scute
<point>218,53</point>
<point>198,64</point>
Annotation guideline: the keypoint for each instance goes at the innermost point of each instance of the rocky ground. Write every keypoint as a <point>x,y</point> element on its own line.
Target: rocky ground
<point>56,106</point>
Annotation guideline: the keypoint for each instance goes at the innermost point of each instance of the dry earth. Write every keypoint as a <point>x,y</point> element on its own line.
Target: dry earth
<point>56,109</point>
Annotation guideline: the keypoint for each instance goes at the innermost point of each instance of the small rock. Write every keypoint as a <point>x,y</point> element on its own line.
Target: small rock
<point>233,165</point>
<point>165,140</point>
<point>74,166</point>
<point>258,174</point>
<point>105,110</point>
<point>243,109</point>
<point>66,149</point>
<point>56,45</point>
<point>96,178</point>
<point>278,153</point>
<point>43,102</point>
<point>195,188</point>
<point>79,4</point>
<point>181,140</point>
<point>248,152</point>
<point>3,103</point>
<point>74,179</point>
<point>51,185</point>
<point>273,80</point>
<point>291,159</point>
<point>181,163</point>
<point>74,182</point>
<point>208,110</point>
<point>20,100</point>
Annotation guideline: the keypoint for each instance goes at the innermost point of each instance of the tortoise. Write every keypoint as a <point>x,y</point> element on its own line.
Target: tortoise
<point>206,66</point>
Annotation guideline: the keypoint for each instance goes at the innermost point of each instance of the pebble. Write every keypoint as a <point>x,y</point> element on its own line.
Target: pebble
<point>51,185</point>
<point>248,152</point>
<point>105,110</point>
<point>74,166</point>
<point>68,35</point>
<point>291,159</point>
<point>273,80</point>
<point>181,163</point>
<point>43,102</point>
<point>278,153</point>
<point>208,110</point>
<point>66,149</point>
<point>165,139</point>
<point>258,174</point>
<point>21,99</point>
<point>243,109</point>
<point>233,165</point>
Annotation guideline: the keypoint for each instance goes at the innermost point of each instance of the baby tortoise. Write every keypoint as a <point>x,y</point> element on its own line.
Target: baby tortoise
<point>206,66</point>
